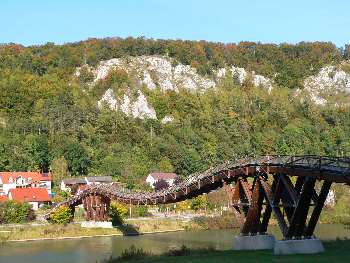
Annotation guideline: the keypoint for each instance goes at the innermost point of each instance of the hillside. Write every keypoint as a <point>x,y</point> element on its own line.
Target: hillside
<point>124,107</point>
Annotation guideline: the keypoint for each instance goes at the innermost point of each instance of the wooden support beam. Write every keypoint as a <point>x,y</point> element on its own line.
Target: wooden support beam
<point>246,189</point>
<point>267,213</point>
<point>288,186</point>
<point>252,222</point>
<point>276,210</point>
<point>298,221</point>
<point>299,183</point>
<point>318,208</point>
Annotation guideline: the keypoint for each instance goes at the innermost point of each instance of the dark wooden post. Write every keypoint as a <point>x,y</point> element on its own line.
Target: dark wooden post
<point>318,208</point>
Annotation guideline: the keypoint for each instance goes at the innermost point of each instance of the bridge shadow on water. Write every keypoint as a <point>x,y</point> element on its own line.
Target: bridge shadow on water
<point>128,230</point>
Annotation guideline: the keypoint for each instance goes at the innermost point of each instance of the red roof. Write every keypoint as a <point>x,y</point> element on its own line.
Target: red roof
<point>29,194</point>
<point>164,176</point>
<point>3,198</point>
<point>35,176</point>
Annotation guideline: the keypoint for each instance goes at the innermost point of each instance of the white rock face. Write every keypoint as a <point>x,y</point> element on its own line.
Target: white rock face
<point>153,71</point>
<point>240,74</point>
<point>329,81</point>
<point>137,108</point>
<point>108,98</point>
<point>160,71</point>
<point>141,109</point>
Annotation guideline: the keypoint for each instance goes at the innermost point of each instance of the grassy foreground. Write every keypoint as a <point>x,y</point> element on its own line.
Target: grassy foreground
<point>336,251</point>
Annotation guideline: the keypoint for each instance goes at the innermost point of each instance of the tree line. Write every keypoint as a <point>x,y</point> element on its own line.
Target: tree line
<point>48,121</point>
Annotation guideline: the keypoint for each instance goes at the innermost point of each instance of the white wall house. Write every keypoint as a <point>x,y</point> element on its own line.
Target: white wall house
<point>152,178</point>
<point>12,180</point>
<point>68,184</point>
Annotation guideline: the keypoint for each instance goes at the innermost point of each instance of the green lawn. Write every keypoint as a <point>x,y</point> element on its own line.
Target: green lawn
<point>336,251</point>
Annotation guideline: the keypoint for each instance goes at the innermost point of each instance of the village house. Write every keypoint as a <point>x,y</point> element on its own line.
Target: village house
<point>90,180</point>
<point>79,184</point>
<point>68,184</point>
<point>152,178</point>
<point>13,180</point>
<point>34,196</point>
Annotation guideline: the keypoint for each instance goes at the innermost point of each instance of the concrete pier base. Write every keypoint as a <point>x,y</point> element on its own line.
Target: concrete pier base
<point>301,246</point>
<point>96,224</point>
<point>256,242</point>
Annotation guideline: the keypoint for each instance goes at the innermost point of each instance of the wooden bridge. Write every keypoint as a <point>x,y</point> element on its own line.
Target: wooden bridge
<point>280,185</point>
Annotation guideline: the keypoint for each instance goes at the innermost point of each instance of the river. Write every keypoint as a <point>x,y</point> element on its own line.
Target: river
<point>91,250</point>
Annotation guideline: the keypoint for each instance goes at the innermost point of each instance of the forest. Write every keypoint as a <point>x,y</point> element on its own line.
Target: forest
<point>49,122</point>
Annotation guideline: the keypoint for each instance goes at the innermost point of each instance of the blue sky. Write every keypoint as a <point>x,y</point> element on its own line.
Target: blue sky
<point>39,21</point>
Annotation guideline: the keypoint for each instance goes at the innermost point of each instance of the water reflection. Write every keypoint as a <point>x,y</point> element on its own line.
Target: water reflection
<point>90,250</point>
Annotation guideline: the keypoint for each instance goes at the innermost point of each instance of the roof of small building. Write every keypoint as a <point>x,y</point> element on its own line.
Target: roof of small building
<point>99,179</point>
<point>35,176</point>
<point>164,176</point>
<point>29,194</point>
<point>74,181</point>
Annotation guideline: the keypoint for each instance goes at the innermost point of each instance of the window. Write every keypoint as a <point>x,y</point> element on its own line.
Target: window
<point>10,180</point>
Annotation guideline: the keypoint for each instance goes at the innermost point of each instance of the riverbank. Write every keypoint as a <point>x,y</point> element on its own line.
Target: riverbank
<point>335,251</point>
<point>75,231</point>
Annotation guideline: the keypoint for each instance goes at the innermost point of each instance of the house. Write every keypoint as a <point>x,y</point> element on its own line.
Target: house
<point>68,184</point>
<point>34,196</point>
<point>78,184</point>
<point>170,178</point>
<point>12,180</point>
<point>90,180</point>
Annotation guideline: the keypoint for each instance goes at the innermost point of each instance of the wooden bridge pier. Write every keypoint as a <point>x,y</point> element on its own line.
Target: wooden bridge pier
<point>96,207</point>
<point>289,202</point>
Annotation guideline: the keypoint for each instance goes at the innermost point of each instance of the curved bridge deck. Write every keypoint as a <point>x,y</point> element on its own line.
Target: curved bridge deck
<point>271,190</point>
<point>322,168</point>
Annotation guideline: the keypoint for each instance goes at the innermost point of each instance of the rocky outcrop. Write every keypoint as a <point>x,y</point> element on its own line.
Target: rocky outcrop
<point>241,75</point>
<point>330,81</point>
<point>136,107</point>
<point>162,72</point>
<point>153,71</point>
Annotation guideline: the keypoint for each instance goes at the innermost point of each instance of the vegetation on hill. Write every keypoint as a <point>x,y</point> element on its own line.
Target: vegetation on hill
<point>49,121</point>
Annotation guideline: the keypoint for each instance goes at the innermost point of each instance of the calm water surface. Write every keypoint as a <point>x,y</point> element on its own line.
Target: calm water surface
<point>91,250</point>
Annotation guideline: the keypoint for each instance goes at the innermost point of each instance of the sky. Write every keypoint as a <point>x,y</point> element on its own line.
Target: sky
<point>32,22</point>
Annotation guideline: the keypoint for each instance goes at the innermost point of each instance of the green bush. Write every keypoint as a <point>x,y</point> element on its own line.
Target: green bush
<point>117,213</point>
<point>16,212</point>
<point>62,215</point>
<point>140,211</point>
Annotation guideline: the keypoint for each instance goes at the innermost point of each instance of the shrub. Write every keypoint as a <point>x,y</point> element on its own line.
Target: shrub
<point>62,215</point>
<point>134,253</point>
<point>16,212</point>
<point>117,212</point>
<point>141,211</point>
<point>199,202</point>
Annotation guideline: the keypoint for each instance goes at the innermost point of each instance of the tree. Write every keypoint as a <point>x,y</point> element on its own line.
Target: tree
<point>165,165</point>
<point>59,168</point>
<point>78,160</point>
<point>199,202</point>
